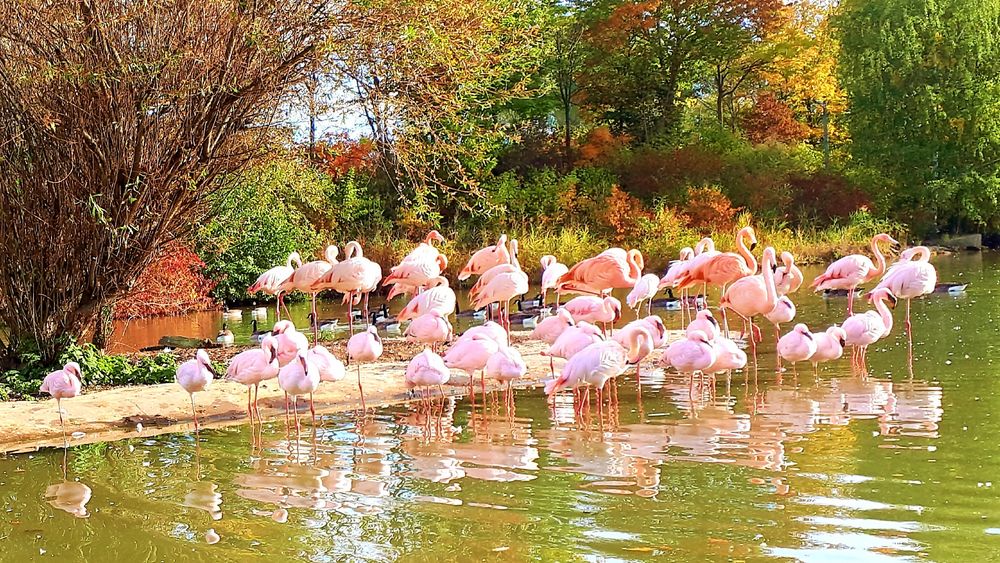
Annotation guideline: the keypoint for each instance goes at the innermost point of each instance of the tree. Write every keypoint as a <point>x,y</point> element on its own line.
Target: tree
<point>567,61</point>
<point>923,82</point>
<point>118,119</point>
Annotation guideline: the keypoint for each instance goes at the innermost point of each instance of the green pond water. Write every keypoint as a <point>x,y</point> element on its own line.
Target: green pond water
<point>760,466</point>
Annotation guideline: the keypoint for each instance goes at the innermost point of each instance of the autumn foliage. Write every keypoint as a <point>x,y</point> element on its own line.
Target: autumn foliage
<point>172,285</point>
<point>342,155</point>
<point>624,215</point>
<point>771,120</point>
<point>709,210</point>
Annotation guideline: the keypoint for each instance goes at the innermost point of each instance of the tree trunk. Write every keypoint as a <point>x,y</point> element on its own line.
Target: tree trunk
<point>104,326</point>
<point>567,141</point>
<point>720,83</point>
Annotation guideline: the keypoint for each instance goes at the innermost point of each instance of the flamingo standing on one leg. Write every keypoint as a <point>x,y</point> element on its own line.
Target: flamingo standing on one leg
<point>724,268</point>
<point>299,378</point>
<point>783,312</point>
<point>912,276</point>
<point>270,281</point>
<point>728,356</point>
<point>639,337</point>
<point>252,367</point>
<point>675,269</point>
<point>65,383</point>
<point>643,290</point>
<point>851,271</point>
<point>693,354</point>
<point>364,347</point>
<point>306,275</point>
<point>787,277</point>
<point>356,275</point>
<point>753,295</point>
<point>470,354</point>
<point>864,329</point>
<point>798,345</point>
<point>552,270</point>
<point>195,375</point>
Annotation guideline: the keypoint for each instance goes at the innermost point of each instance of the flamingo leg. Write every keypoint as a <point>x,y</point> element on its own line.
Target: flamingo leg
<point>350,312</point>
<point>195,413</point>
<point>312,409</point>
<point>62,423</point>
<point>286,409</point>
<point>367,318</point>
<point>850,302</point>
<point>277,308</point>
<point>256,395</point>
<point>249,407</point>
<point>361,390</point>
<point>315,320</point>
<point>909,337</point>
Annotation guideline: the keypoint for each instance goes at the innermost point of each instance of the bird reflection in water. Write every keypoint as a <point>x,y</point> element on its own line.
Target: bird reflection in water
<point>69,496</point>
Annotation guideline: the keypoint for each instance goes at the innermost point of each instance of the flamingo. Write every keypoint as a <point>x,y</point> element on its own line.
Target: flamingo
<point>728,356</point>
<point>300,377</point>
<point>863,329</point>
<point>64,383</point>
<point>330,368</point>
<point>596,364</point>
<point>573,339</point>
<point>783,312</point>
<point>420,266</point>
<point>506,365</point>
<point>490,330</point>
<point>705,322</point>
<point>195,375</point>
<point>612,269</point>
<point>306,275</point>
<point>254,366</point>
<point>692,354</point>
<point>645,289</point>
<point>550,328</point>
<point>722,269</point>
<point>851,271</point>
<point>829,346</point>
<point>552,270</point>
<point>909,278</point>
<point>470,354</point>
<point>753,295</point>
<point>426,370</point>
<point>270,281</point>
<point>639,336</point>
<point>675,269</point>
<point>290,341</point>
<point>798,345</point>
<point>355,276</point>
<point>485,258</point>
<point>656,328</point>
<point>429,329</point>
<point>594,309</point>
<point>363,347</point>
<point>788,277</point>
<point>512,267</point>
<point>501,289</point>
<point>438,297</point>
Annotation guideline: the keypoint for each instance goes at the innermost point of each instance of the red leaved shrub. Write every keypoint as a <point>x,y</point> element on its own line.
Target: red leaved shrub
<point>343,154</point>
<point>826,196</point>
<point>599,146</point>
<point>624,215</point>
<point>172,285</point>
<point>709,210</point>
<point>771,120</point>
<point>652,173</point>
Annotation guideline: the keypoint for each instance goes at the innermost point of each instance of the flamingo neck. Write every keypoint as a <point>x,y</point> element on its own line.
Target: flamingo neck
<point>885,313</point>
<point>769,288</point>
<point>331,254</point>
<point>879,261</point>
<point>634,267</point>
<point>748,256</point>
<point>922,254</point>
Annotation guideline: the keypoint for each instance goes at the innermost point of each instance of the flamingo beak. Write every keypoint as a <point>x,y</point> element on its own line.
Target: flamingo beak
<point>753,246</point>
<point>274,355</point>
<point>714,322</point>
<point>892,301</point>
<point>807,335</point>
<point>843,342</point>
<point>211,370</point>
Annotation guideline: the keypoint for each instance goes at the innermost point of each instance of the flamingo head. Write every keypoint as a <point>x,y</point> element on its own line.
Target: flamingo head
<point>433,236</point>
<point>74,369</point>
<point>882,294</point>
<point>838,333</point>
<point>686,253</point>
<point>205,361</point>
<point>705,244</point>
<point>636,257</point>
<point>282,327</point>
<point>770,257</point>
<point>787,258</point>
<point>270,345</point>
<point>803,330</point>
<point>700,336</point>
<point>657,323</point>
<point>706,315</point>
<point>442,261</point>
<point>295,258</point>
<point>616,308</point>
<point>331,253</point>
<point>547,261</point>
<point>565,316</point>
<point>749,234</point>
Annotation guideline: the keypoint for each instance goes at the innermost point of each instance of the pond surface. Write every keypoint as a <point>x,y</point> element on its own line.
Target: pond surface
<point>839,467</point>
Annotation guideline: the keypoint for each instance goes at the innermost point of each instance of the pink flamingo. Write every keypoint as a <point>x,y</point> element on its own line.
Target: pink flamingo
<point>573,339</point>
<point>506,365</point>
<point>270,281</point>
<point>728,356</point>
<point>645,289</point>
<point>722,269</point>
<point>429,329</point>
<point>637,336</point>
<point>797,346</point>
<point>501,289</point>
<point>356,275</point>
<point>306,275</point>
<point>863,329</point>
<point>64,383</point>
<point>486,258</point>
<point>490,330</point>
<point>364,347</point>
<point>299,378</point>
<point>910,278</point>
<point>420,266</point>
<point>693,354</point>
<point>656,328</point>
<point>508,268</point>
<point>851,271</point>
<point>330,368</point>
<point>753,295</point>
<point>552,270</point>
<point>674,270</point>
<point>550,328</point>
<point>704,322</point>
<point>594,309</point>
<point>596,364</point>
<point>437,297</point>
<point>612,269</point>
<point>254,366</point>
<point>783,312</point>
<point>290,341</point>
<point>195,375</point>
<point>426,370</point>
<point>829,346</point>
<point>470,354</point>
<point>788,277</point>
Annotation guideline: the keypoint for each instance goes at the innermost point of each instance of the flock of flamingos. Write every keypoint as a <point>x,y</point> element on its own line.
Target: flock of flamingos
<point>581,331</point>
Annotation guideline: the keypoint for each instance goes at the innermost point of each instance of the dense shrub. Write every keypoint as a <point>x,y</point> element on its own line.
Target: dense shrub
<point>826,197</point>
<point>173,284</point>
<point>709,210</point>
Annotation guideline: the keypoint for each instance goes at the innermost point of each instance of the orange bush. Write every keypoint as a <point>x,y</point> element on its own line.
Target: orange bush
<point>771,120</point>
<point>709,210</point>
<point>172,285</point>
<point>343,154</point>
<point>599,146</point>
<point>624,216</point>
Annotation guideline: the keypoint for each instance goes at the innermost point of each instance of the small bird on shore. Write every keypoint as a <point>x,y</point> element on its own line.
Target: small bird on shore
<point>196,375</point>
